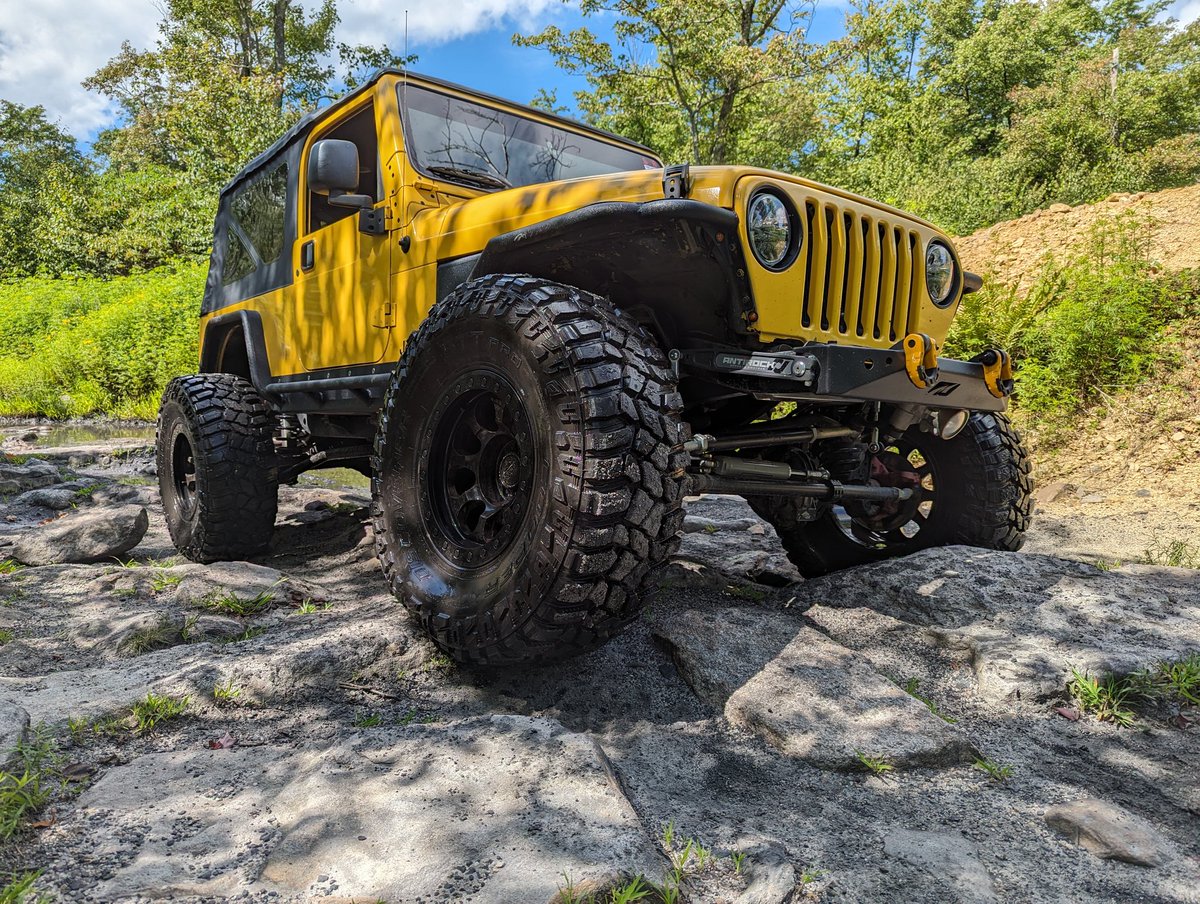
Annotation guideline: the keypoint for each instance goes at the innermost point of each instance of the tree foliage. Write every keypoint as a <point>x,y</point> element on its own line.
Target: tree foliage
<point>965,111</point>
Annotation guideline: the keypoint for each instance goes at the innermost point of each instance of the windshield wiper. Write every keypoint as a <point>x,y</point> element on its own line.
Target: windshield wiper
<point>469,175</point>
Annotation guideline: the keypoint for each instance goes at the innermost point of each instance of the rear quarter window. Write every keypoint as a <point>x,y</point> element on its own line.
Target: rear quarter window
<point>256,224</point>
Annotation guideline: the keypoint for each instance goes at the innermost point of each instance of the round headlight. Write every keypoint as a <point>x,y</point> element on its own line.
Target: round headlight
<point>770,225</point>
<point>939,272</point>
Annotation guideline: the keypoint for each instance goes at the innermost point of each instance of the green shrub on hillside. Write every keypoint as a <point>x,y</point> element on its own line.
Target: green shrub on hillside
<point>1087,327</point>
<point>72,347</point>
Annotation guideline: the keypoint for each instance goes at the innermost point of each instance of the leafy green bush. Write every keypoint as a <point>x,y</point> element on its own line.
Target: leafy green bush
<point>72,347</point>
<point>1086,327</point>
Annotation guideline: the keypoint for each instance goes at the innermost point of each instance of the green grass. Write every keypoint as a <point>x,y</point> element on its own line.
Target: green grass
<point>874,765</point>
<point>28,786</point>
<point>1173,553</point>
<point>72,347</point>
<point>226,693</point>
<point>995,771</point>
<point>164,581</point>
<point>367,720</point>
<point>1109,698</point>
<point>1114,698</point>
<point>911,688</point>
<point>6,636</point>
<point>8,566</point>
<point>154,710</point>
<point>145,640</point>
<point>229,603</point>
<point>20,890</point>
<point>249,634</point>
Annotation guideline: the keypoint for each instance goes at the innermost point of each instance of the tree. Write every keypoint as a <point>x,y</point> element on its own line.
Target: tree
<point>705,82</point>
<point>35,156</point>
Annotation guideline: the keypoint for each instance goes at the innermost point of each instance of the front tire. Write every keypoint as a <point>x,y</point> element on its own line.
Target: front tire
<point>217,470</point>
<point>975,489</point>
<point>528,471</point>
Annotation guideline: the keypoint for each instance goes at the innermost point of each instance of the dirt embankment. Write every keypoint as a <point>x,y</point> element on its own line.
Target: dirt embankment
<point>1127,480</point>
<point>1012,252</point>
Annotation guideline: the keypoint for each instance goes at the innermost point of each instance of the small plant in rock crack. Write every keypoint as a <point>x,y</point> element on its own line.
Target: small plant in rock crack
<point>229,603</point>
<point>874,765</point>
<point>739,860</point>
<point>910,687</point>
<point>29,785</point>
<point>227,693</point>
<point>8,566</point>
<point>668,835</point>
<point>810,874</point>
<point>1109,698</point>
<point>1179,679</point>
<point>163,581</point>
<point>6,636</point>
<point>126,563</point>
<point>1173,553</point>
<point>995,771</point>
<point>367,720</point>
<point>144,640</point>
<point>308,605</point>
<point>20,890</point>
<point>636,889</point>
<point>154,709</point>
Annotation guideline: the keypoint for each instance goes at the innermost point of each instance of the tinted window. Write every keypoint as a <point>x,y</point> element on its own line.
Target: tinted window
<point>238,262</point>
<point>449,133</point>
<point>258,209</point>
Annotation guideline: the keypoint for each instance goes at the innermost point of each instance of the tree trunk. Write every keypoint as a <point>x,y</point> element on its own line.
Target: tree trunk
<point>279,23</point>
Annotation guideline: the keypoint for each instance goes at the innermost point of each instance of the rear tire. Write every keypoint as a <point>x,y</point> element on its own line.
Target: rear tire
<point>981,494</point>
<point>216,467</point>
<point>528,471</point>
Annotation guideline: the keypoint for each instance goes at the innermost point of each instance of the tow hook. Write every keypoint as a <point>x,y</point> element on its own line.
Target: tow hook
<point>997,372</point>
<point>920,360</point>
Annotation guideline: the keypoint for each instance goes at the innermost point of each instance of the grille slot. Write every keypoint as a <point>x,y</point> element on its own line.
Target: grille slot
<point>861,275</point>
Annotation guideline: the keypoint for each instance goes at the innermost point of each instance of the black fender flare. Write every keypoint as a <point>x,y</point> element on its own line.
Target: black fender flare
<point>217,334</point>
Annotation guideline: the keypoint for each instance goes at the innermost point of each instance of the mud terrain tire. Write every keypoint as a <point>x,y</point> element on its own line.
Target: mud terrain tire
<point>527,471</point>
<point>984,498</point>
<point>216,467</point>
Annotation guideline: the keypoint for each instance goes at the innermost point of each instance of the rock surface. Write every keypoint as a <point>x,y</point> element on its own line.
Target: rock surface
<point>498,809</point>
<point>347,743</point>
<point>14,729</point>
<point>1108,831</point>
<point>84,536</point>
<point>821,703</point>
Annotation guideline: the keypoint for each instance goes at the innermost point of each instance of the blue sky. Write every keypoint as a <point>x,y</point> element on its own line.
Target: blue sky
<point>49,46</point>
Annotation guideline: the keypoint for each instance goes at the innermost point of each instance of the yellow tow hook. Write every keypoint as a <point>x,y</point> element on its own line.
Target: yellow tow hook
<point>920,360</point>
<point>997,372</point>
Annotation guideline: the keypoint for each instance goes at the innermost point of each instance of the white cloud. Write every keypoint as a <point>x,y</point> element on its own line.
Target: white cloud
<point>1185,10</point>
<point>373,21</point>
<point>47,47</point>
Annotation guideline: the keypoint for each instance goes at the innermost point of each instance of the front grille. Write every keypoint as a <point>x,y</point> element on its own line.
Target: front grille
<point>860,278</point>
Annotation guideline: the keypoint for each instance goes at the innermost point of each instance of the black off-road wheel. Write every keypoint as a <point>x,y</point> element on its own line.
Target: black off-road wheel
<point>528,471</point>
<point>975,489</point>
<point>216,467</point>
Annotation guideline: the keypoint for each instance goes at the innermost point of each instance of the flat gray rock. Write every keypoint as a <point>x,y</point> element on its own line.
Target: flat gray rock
<point>772,878</point>
<point>495,809</point>
<point>719,650</point>
<point>947,856</point>
<point>824,704</point>
<point>1108,831</point>
<point>89,535</point>
<point>198,584</point>
<point>14,729</point>
<point>1024,621</point>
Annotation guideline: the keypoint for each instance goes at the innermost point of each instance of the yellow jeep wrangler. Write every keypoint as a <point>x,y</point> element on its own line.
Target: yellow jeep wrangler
<point>536,340</point>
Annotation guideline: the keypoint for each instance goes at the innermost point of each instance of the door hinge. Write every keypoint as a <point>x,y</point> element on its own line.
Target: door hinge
<point>373,220</point>
<point>677,182</point>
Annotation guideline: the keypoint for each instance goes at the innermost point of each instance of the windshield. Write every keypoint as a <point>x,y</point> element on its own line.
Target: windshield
<point>464,141</point>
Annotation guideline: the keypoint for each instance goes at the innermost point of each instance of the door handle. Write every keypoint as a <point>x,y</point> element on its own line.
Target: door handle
<point>307,255</point>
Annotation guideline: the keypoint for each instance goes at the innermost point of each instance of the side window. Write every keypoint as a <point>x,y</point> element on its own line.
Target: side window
<point>359,128</point>
<point>256,224</point>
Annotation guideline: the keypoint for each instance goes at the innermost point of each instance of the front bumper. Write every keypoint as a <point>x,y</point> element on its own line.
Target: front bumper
<point>845,373</point>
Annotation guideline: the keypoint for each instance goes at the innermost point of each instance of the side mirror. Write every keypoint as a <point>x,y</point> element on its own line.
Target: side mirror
<point>333,172</point>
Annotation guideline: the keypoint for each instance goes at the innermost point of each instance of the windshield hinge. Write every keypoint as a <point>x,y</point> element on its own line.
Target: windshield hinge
<point>677,182</point>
